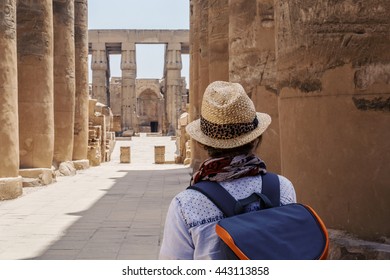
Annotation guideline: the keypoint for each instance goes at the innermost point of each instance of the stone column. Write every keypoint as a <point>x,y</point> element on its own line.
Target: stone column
<point>252,63</point>
<point>128,93</point>
<point>218,34</point>
<point>64,79</point>
<point>80,146</point>
<point>200,70</point>
<point>333,71</point>
<point>173,66</point>
<point>10,182</point>
<point>99,66</point>
<point>35,82</point>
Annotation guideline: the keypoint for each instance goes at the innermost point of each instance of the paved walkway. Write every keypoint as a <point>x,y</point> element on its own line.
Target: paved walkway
<point>113,211</point>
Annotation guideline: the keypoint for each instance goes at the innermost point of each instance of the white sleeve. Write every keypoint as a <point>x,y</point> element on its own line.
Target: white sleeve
<point>287,191</point>
<point>177,242</point>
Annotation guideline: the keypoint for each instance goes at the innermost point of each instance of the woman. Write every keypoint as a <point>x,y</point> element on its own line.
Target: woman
<point>230,130</point>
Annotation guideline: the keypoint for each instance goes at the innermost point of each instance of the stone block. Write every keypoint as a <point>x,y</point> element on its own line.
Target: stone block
<point>66,168</point>
<point>125,156</point>
<point>10,188</point>
<point>81,164</point>
<point>117,126</point>
<point>159,154</point>
<point>30,182</point>
<point>45,176</point>
<point>94,155</point>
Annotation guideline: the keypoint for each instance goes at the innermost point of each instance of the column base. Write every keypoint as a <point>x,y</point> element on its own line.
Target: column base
<point>81,164</point>
<point>37,176</point>
<point>10,188</point>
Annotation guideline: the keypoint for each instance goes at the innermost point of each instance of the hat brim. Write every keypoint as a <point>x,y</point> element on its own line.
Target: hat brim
<point>193,129</point>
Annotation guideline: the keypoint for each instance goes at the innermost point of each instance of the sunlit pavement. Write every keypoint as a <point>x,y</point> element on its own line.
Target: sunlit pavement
<point>113,211</point>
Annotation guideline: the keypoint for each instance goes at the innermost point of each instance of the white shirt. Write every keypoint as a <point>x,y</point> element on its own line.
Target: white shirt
<point>189,231</point>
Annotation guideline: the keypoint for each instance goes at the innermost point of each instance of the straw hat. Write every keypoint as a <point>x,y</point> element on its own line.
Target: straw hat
<point>228,117</point>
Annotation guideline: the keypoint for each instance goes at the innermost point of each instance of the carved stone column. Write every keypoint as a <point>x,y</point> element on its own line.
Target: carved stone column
<point>333,71</point>
<point>99,66</point>
<point>199,70</point>
<point>218,29</point>
<point>35,83</point>
<point>64,79</point>
<point>252,64</point>
<point>80,147</point>
<point>173,82</point>
<point>10,182</point>
<point>128,94</point>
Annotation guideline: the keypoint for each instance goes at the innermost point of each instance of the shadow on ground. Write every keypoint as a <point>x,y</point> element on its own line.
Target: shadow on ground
<point>126,222</point>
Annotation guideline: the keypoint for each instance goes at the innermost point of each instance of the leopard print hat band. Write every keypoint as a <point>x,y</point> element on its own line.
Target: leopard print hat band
<point>226,131</point>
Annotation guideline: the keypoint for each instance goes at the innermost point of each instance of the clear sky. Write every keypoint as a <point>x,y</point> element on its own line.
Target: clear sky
<point>141,14</point>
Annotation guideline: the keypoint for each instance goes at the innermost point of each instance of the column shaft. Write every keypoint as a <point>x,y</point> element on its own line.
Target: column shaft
<point>80,146</point>
<point>35,82</point>
<point>64,79</point>
<point>218,29</point>
<point>99,68</point>
<point>173,91</point>
<point>200,70</point>
<point>128,92</point>
<point>9,138</point>
<point>252,63</point>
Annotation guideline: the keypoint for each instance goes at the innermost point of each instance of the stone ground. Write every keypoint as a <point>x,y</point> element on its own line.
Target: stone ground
<point>113,211</point>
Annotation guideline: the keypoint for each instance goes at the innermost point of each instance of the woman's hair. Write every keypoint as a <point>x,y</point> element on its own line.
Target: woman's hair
<point>245,149</point>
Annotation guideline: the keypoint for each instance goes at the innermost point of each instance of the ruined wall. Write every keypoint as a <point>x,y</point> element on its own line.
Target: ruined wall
<point>333,73</point>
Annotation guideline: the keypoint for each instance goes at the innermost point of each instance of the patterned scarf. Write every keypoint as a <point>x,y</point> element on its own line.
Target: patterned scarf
<point>227,168</point>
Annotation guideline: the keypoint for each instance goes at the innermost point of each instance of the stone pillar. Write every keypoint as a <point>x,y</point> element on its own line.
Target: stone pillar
<point>64,79</point>
<point>218,34</point>
<point>200,70</point>
<point>333,70</point>
<point>128,94</point>
<point>99,66</point>
<point>80,146</point>
<point>252,64</point>
<point>10,182</point>
<point>35,83</point>
<point>173,67</point>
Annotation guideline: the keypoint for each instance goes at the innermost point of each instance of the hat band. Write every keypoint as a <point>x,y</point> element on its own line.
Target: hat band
<point>226,131</point>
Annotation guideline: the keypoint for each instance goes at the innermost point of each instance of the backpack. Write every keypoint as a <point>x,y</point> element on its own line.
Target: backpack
<point>275,232</point>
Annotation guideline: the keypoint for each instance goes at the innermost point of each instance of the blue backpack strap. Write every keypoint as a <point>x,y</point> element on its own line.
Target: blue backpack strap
<point>218,195</point>
<point>271,188</point>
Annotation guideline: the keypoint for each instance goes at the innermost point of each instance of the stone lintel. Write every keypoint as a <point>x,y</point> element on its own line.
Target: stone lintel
<point>10,188</point>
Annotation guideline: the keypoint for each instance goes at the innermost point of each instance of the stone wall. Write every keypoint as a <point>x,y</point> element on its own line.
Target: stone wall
<point>321,70</point>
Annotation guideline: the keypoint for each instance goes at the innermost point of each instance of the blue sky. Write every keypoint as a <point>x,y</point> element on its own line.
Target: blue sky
<point>141,14</point>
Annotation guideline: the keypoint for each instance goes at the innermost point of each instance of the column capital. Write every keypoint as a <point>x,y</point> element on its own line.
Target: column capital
<point>128,60</point>
<point>126,46</point>
<point>174,46</point>
<point>99,60</point>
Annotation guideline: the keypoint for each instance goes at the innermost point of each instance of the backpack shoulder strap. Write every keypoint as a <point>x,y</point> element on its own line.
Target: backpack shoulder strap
<point>218,195</point>
<point>271,187</point>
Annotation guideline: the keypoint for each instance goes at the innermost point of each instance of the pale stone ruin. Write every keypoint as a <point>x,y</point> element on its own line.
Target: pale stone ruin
<point>321,70</point>
<point>141,105</point>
